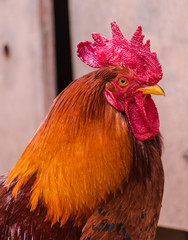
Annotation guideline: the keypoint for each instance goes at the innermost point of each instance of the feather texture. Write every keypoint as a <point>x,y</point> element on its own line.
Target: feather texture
<point>133,214</point>
<point>80,155</point>
<point>17,222</point>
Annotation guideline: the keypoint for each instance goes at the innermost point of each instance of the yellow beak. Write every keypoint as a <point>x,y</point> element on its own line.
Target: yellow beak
<point>155,89</point>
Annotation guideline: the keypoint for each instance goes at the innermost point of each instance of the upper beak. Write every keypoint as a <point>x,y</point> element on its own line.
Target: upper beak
<point>155,89</point>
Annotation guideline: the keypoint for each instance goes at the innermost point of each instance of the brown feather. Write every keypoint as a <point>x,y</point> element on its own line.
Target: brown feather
<point>80,154</point>
<point>134,214</point>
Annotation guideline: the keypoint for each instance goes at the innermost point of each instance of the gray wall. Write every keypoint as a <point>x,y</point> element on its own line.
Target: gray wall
<point>27,76</point>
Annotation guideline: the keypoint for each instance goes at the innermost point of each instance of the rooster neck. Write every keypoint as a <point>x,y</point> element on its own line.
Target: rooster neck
<point>80,155</point>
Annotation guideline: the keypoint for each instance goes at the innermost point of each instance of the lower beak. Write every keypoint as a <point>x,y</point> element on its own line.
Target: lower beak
<point>155,89</point>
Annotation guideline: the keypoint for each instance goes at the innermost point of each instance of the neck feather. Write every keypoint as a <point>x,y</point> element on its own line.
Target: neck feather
<point>80,155</point>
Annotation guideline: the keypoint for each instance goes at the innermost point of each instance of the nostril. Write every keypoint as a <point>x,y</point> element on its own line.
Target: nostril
<point>6,50</point>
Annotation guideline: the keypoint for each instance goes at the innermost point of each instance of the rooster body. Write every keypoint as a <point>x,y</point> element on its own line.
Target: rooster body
<point>85,175</point>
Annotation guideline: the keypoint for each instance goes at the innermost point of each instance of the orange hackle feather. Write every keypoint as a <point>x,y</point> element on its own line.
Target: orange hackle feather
<point>81,153</point>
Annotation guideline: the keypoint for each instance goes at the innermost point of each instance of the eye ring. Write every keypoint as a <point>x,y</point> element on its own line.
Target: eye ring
<point>122,82</point>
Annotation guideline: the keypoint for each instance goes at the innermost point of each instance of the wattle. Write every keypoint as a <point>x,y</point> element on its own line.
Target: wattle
<point>142,116</point>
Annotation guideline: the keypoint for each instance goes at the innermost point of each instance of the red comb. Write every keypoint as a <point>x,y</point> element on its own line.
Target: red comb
<point>118,51</point>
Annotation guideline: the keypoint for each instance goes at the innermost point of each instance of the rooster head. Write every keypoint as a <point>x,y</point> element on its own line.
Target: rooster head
<point>130,91</point>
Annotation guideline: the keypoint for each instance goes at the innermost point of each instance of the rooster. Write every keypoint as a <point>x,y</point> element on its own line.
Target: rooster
<point>93,169</point>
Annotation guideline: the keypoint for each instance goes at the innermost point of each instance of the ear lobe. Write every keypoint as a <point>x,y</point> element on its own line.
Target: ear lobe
<point>112,101</point>
<point>110,86</point>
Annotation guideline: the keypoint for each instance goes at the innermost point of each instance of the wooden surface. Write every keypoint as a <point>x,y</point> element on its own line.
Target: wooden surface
<point>165,23</point>
<point>27,76</point>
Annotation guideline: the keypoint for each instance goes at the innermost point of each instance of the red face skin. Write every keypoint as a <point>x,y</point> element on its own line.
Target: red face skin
<point>139,108</point>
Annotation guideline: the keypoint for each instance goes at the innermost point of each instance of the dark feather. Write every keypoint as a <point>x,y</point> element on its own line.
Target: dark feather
<point>17,222</point>
<point>134,214</point>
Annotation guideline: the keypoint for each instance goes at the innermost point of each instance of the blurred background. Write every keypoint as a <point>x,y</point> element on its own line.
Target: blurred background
<point>38,40</point>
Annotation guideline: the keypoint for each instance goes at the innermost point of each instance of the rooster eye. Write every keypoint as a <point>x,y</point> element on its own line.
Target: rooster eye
<point>122,82</point>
